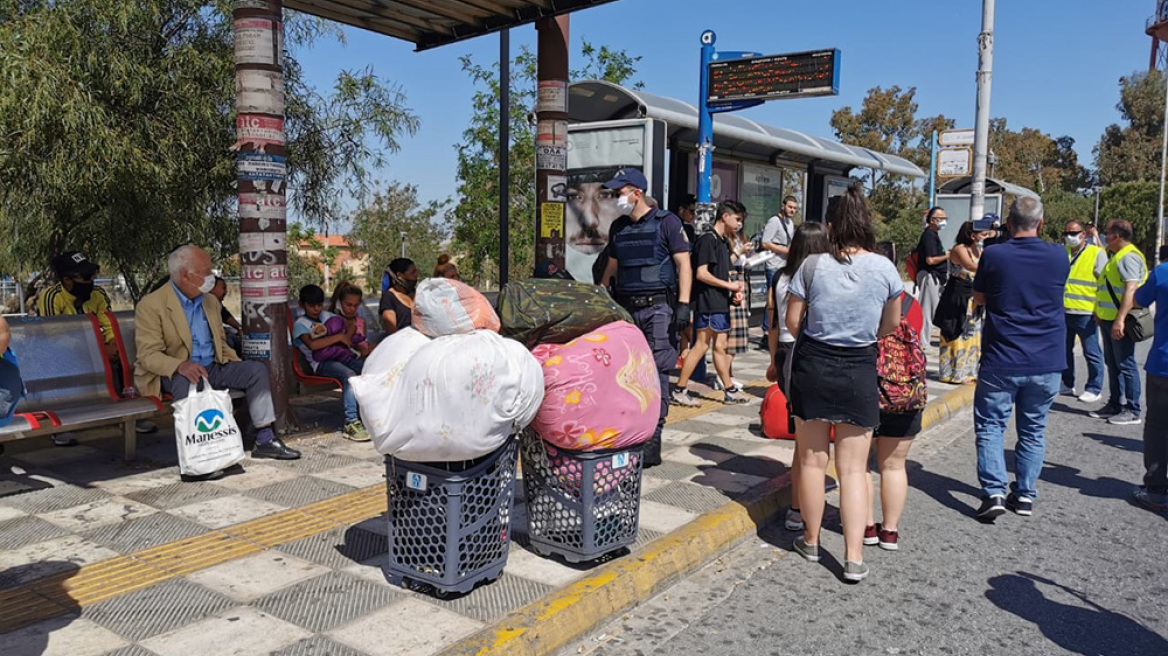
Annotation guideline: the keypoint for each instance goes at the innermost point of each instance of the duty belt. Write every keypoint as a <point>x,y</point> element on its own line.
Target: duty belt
<point>640,302</point>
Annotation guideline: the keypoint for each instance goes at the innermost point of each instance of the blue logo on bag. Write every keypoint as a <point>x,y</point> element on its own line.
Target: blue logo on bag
<point>209,420</point>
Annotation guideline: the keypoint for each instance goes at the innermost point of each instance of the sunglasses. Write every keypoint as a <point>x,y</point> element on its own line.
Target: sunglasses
<point>1072,233</point>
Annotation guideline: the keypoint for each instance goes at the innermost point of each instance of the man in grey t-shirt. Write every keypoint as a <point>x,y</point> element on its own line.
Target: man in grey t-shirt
<point>776,240</point>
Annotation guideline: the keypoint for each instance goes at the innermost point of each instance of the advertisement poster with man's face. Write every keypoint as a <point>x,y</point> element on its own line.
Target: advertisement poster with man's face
<point>594,157</point>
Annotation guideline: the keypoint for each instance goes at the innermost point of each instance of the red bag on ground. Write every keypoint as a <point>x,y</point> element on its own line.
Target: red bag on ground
<point>774,414</point>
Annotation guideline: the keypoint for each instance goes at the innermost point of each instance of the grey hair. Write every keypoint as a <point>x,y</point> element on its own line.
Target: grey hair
<point>1026,213</point>
<point>181,259</point>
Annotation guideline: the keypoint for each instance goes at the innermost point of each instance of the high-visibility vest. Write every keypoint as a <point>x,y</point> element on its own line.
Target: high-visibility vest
<point>1082,285</point>
<point>1105,306</point>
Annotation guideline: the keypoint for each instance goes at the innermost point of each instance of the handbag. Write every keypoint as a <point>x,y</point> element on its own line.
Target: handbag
<point>206,434</point>
<point>1140,325</point>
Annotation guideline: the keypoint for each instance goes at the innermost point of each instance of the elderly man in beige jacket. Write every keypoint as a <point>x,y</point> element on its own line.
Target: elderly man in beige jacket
<point>180,340</point>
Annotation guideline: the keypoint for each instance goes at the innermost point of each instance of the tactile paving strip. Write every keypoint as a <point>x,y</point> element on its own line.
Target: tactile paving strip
<point>672,471</point>
<point>157,609</point>
<point>317,646</point>
<point>493,600</point>
<point>144,532</point>
<point>320,464</point>
<point>57,498</point>
<point>687,496</point>
<point>23,531</point>
<point>327,601</point>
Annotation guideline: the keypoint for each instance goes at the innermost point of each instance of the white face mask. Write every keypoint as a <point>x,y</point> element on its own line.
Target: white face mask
<point>624,204</point>
<point>1073,240</point>
<point>942,223</point>
<point>208,285</point>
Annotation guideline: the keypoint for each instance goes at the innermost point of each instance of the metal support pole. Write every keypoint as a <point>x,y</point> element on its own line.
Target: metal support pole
<point>1163,170</point>
<point>704,213</point>
<point>1099,193</point>
<point>261,173</point>
<point>504,155</point>
<point>933,170</point>
<point>981,134</point>
<point>551,139</point>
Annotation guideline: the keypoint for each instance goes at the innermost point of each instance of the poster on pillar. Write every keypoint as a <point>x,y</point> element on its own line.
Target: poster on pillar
<point>259,41</point>
<point>259,134</point>
<point>595,153</point>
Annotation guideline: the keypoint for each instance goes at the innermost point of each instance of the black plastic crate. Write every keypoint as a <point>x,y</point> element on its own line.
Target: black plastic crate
<point>449,523</point>
<point>581,505</point>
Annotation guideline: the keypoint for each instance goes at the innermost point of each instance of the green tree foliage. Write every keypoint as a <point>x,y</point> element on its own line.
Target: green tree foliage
<point>1135,202</point>
<point>1060,206</point>
<point>1035,160</point>
<point>475,216</point>
<point>303,269</point>
<point>1131,152</point>
<point>377,231</point>
<point>117,118</point>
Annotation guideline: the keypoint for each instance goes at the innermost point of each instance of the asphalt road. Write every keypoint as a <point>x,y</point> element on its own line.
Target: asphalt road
<point>1086,574</point>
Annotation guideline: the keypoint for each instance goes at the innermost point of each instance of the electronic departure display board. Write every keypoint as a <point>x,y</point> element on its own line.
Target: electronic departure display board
<point>795,75</point>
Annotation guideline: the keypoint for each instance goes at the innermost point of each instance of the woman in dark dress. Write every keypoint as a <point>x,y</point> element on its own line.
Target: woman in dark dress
<point>397,302</point>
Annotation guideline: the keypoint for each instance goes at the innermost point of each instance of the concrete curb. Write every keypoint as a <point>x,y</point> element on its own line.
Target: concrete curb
<point>548,624</point>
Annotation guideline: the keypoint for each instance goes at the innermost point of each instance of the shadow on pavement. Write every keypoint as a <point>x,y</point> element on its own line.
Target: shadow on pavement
<point>1103,488</point>
<point>1071,409</point>
<point>1125,443</point>
<point>1084,628</point>
<point>944,490</point>
<point>22,631</point>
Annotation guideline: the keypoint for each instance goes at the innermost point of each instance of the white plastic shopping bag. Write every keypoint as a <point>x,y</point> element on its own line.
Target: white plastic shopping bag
<point>205,431</point>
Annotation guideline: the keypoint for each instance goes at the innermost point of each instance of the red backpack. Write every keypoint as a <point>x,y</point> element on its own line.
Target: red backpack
<point>912,265</point>
<point>900,367</point>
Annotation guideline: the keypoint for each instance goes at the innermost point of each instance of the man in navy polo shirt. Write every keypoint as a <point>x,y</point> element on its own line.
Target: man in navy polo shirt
<point>1023,354</point>
<point>1154,493</point>
<point>649,256</point>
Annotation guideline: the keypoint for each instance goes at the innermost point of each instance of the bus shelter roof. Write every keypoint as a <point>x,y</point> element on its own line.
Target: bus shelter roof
<point>603,101</point>
<point>432,23</point>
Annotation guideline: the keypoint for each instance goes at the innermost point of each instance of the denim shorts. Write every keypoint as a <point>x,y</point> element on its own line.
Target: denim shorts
<point>718,322</point>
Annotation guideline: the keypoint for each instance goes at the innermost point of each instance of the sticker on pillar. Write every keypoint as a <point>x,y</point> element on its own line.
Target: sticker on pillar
<point>557,188</point>
<point>259,92</point>
<point>551,220</point>
<point>552,133</point>
<point>553,96</point>
<point>259,132</point>
<point>252,283</point>
<point>551,157</point>
<point>272,207</point>
<point>260,166</point>
<point>261,247</point>
<point>257,346</point>
<point>257,41</point>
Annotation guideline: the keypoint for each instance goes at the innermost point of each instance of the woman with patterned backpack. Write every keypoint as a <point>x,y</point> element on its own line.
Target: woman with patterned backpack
<point>900,371</point>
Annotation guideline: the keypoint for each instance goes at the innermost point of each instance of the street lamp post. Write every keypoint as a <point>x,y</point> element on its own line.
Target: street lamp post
<point>403,249</point>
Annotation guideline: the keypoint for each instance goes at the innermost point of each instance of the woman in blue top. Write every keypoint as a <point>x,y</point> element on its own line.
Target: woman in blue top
<point>851,297</point>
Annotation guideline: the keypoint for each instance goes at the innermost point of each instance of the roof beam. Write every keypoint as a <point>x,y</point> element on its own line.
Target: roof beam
<point>463,13</point>
<point>379,25</point>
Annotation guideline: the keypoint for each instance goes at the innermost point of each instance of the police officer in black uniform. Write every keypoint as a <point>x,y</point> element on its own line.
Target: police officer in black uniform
<point>649,258</point>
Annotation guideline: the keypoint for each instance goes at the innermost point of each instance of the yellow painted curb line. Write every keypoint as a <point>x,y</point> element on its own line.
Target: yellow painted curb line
<point>548,624</point>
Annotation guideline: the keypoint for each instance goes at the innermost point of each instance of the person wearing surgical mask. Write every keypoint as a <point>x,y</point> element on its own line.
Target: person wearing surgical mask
<point>397,302</point>
<point>181,341</point>
<point>1087,264</point>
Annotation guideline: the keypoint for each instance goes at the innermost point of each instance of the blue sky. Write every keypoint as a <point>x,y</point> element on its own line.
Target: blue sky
<point>1056,64</point>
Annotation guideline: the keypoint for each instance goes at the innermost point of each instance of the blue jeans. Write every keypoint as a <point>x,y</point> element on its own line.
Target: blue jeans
<point>1123,374</point>
<point>1083,327</point>
<point>771,276</point>
<point>342,371</point>
<point>993,402</point>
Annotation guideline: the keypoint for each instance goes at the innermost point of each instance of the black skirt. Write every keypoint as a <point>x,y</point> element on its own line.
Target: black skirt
<point>835,383</point>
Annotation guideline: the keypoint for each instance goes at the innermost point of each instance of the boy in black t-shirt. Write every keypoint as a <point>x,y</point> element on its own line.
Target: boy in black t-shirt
<point>713,294</point>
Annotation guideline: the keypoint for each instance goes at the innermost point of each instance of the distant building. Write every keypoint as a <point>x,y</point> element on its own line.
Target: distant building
<point>357,265</point>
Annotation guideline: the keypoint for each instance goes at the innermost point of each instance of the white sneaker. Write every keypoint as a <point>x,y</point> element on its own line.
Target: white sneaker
<point>1090,397</point>
<point>1066,391</point>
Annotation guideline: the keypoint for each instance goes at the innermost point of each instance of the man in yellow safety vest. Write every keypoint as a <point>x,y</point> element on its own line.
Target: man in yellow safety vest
<point>1087,263</point>
<point>1126,270</point>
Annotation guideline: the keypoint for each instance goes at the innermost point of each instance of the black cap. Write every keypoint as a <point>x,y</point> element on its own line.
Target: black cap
<point>625,177</point>
<point>987,222</point>
<point>74,263</point>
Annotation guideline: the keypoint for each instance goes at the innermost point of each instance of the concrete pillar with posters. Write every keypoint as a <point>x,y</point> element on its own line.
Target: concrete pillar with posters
<point>261,173</point>
<point>551,139</point>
